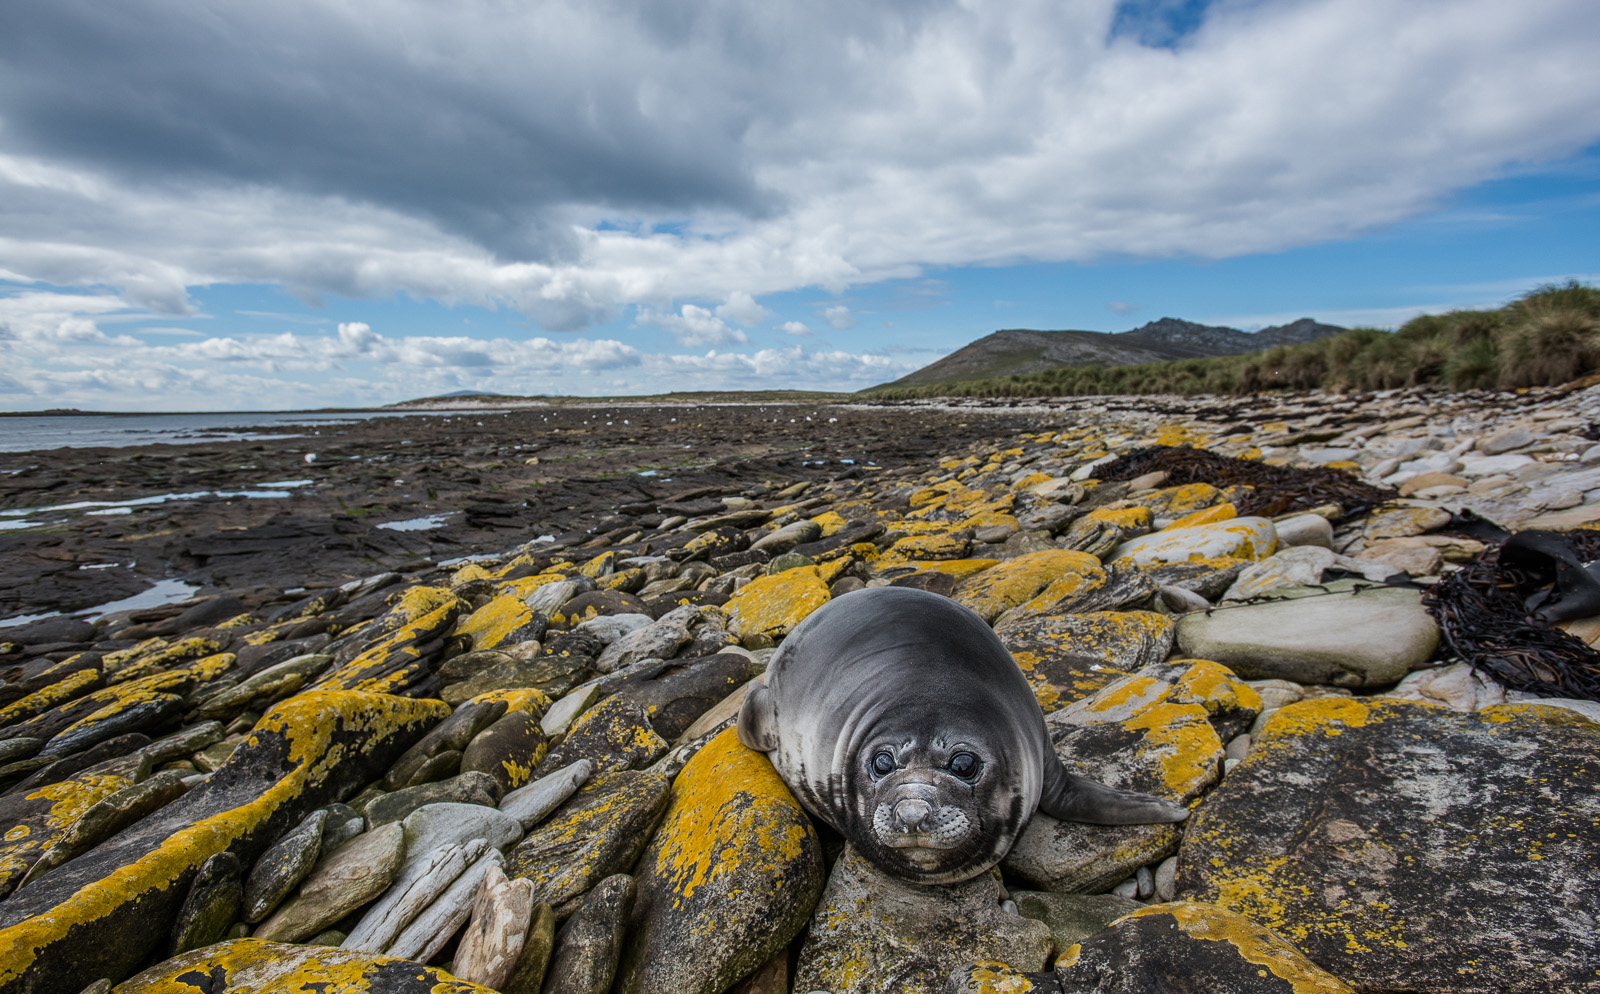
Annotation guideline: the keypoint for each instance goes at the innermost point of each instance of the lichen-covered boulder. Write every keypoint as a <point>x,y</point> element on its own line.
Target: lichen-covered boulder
<point>405,655</point>
<point>1409,847</point>
<point>1016,581</point>
<point>599,831</point>
<point>872,933</point>
<point>773,605</point>
<point>1166,948</point>
<point>102,913</point>
<point>614,735</point>
<point>1243,538</point>
<point>730,877</point>
<point>505,620</point>
<point>276,968</point>
<point>1066,657</point>
<point>1367,637</point>
<point>33,821</point>
<point>1110,588</point>
<point>1189,946</point>
<point>1132,735</point>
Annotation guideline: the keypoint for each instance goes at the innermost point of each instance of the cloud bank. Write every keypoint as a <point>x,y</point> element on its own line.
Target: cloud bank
<point>571,161</point>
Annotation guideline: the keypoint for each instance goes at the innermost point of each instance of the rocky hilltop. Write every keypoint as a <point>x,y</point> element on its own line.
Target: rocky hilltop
<point>518,773</point>
<point>1021,351</point>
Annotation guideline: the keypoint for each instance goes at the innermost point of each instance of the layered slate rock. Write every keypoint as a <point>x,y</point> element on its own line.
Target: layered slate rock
<point>101,914</point>
<point>1069,656</point>
<point>1137,734</point>
<point>253,965</point>
<point>599,831</point>
<point>613,735</point>
<point>728,880</point>
<point>872,933</point>
<point>1406,847</point>
<point>1348,638</point>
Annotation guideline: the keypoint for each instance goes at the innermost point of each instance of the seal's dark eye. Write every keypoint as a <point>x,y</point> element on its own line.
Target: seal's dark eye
<point>883,764</point>
<point>964,765</point>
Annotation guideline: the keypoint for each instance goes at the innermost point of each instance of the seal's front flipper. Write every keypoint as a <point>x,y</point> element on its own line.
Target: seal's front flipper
<point>1070,797</point>
<point>758,720</point>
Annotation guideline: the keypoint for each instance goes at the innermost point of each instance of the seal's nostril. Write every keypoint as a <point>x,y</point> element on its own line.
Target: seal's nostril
<point>912,813</point>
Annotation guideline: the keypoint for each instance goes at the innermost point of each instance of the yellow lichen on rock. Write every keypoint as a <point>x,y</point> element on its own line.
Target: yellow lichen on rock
<point>57,806</point>
<point>491,624</point>
<point>527,699</point>
<point>1255,945</point>
<point>525,585</point>
<point>56,694</point>
<point>1205,516</point>
<point>317,734</point>
<point>773,605</point>
<point>1132,520</point>
<point>831,523</point>
<point>251,966</point>
<point>1016,581</point>
<point>158,659</point>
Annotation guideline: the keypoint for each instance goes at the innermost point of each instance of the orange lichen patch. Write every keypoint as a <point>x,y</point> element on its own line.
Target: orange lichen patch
<point>1031,480</point>
<point>1065,586</point>
<point>927,497</point>
<point>1055,686</point>
<point>535,702</point>
<point>23,843</point>
<point>470,573</point>
<point>60,692</point>
<point>493,623</point>
<point>830,522</point>
<point>1016,581</point>
<point>157,657</point>
<point>773,605</point>
<point>958,568</point>
<point>730,813</point>
<point>1206,516</point>
<point>1323,716</point>
<point>992,978</point>
<point>1214,687</point>
<point>972,502</point>
<point>1182,435</point>
<point>1254,944</point>
<point>1348,465</point>
<point>991,519</point>
<point>257,967</point>
<point>317,732</point>
<point>1242,538</point>
<point>938,546</point>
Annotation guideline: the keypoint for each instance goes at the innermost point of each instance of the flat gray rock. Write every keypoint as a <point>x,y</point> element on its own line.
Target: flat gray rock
<point>341,883</point>
<point>1368,638</point>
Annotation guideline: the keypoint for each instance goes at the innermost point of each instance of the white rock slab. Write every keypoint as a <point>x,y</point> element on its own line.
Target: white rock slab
<point>566,709</point>
<point>438,923</point>
<point>404,900</point>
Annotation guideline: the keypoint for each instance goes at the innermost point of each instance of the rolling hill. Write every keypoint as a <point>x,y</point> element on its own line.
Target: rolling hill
<point>1020,350</point>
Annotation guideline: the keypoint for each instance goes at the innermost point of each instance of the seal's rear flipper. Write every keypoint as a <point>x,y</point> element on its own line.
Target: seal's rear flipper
<point>1070,797</point>
<point>758,721</point>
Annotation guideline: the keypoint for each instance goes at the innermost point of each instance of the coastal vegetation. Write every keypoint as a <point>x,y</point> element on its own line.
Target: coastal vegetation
<point>1548,336</point>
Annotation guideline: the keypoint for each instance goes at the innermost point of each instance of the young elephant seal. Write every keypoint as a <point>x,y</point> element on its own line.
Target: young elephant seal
<point>896,716</point>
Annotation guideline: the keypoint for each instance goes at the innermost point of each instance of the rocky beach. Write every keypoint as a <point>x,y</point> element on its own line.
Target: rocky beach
<point>447,701</point>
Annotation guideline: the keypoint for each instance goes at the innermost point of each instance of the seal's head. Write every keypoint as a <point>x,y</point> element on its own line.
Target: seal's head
<point>934,807</point>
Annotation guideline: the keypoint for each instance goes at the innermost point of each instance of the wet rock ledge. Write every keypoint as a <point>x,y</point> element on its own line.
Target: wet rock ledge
<point>518,773</point>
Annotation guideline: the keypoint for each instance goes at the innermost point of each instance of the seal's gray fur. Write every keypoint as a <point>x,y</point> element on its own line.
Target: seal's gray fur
<point>917,676</point>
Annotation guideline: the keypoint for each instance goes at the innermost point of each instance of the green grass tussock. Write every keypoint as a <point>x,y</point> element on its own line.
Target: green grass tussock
<point>1546,337</point>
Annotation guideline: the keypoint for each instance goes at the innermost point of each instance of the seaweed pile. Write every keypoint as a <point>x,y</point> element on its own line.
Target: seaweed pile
<point>1277,489</point>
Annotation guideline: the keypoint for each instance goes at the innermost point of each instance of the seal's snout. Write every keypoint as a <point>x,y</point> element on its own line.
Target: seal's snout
<point>912,814</point>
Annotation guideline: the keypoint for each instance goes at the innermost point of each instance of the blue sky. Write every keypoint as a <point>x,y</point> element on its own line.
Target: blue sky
<point>282,206</point>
